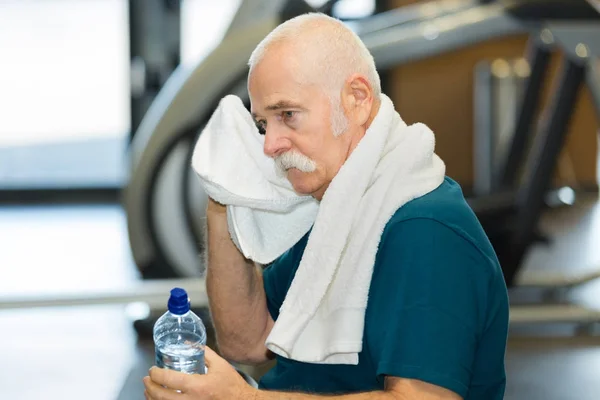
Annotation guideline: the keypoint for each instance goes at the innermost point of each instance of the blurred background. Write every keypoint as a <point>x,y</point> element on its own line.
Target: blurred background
<point>101,102</point>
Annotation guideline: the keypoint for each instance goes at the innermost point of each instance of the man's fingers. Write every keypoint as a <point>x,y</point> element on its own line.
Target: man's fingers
<point>211,357</point>
<point>172,379</point>
<point>157,392</point>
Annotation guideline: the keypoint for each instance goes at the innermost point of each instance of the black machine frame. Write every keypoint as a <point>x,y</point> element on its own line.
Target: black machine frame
<point>511,219</point>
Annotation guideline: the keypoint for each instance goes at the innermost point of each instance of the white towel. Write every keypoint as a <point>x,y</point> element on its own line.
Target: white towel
<point>265,216</point>
<point>322,317</point>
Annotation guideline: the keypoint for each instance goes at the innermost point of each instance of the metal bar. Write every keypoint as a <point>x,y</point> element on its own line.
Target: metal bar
<point>417,41</point>
<point>154,49</point>
<point>483,103</point>
<point>385,18</point>
<point>595,3</point>
<point>539,58</point>
<point>155,293</point>
<point>556,280</point>
<point>593,83</point>
<point>561,313</point>
<point>547,146</point>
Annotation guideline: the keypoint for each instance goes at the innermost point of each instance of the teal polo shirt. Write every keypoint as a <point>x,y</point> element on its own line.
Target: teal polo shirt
<point>437,308</point>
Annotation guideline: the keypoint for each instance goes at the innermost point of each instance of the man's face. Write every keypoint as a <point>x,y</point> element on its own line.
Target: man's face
<point>295,118</point>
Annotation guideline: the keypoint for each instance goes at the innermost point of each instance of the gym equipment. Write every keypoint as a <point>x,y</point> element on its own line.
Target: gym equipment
<point>497,84</point>
<point>149,295</point>
<point>512,236</point>
<point>154,32</point>
<point>163,200</point>
<point>164,203</point>
<point>162,254</point>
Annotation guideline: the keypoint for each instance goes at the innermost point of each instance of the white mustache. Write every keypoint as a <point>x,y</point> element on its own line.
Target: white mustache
<point>293,159</point>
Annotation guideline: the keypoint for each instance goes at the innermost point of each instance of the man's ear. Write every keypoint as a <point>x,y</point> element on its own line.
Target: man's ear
<point>358,99</point>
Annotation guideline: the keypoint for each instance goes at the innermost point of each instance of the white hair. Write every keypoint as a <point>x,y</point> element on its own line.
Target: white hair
<point>330,50</point>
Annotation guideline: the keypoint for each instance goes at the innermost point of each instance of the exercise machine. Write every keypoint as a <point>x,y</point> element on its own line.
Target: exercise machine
<point>166,234</point>
<point>164,201</point>
<point>514,234</point>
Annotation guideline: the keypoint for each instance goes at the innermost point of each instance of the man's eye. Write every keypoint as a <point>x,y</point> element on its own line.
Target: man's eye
<point>289,115</point>
<point>261,126</point>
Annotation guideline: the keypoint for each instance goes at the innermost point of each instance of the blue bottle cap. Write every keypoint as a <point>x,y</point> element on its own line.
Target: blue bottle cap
<point>179,303</point>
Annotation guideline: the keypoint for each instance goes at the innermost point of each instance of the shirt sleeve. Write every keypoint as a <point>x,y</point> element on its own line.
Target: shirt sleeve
<point>426,304</point>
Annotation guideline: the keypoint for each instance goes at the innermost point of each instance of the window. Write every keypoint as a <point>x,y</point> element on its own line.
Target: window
<point>65,93</point>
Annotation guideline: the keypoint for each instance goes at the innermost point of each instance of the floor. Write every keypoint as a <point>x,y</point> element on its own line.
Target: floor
<point>78,353</point>
<point>93,352</point>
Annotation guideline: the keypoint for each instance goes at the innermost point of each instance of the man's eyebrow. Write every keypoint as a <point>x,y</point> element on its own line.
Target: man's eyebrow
<point>280,105</point>
<point>283,104</point>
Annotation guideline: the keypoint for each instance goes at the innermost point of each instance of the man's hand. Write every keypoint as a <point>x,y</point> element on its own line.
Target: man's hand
<point>221,382</point>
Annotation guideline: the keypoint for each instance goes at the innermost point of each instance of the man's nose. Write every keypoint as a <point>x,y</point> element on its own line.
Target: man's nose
<point>275,143</point>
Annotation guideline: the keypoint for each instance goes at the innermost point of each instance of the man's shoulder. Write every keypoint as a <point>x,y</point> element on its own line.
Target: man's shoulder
<point>444,213</point>
<point>441,205</point>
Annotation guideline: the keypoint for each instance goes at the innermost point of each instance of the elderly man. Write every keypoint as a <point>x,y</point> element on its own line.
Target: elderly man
<point>436,317</point>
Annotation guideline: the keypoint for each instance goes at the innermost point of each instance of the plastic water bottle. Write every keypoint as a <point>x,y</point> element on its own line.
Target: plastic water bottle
<point>180,336</point>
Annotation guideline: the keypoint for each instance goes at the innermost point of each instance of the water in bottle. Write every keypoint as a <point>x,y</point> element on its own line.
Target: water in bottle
<point>180,336</point>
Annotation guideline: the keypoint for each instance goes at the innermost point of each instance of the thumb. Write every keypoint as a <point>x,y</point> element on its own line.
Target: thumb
<point>212,359</point>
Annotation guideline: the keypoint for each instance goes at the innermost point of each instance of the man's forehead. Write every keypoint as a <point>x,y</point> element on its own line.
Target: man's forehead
<point>270,89</point>
<point>276,83</point>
